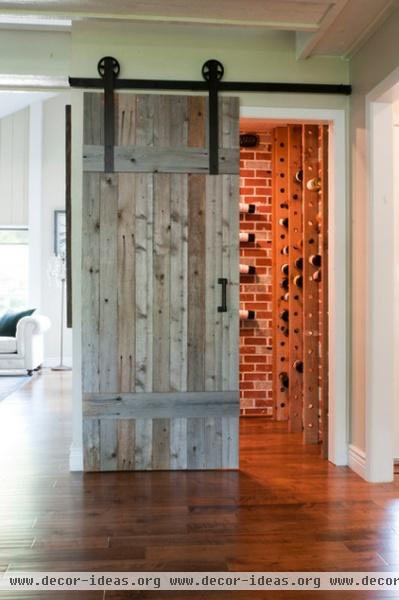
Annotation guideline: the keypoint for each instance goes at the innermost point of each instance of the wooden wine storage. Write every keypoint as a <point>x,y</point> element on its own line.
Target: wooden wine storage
<point>300,285</point>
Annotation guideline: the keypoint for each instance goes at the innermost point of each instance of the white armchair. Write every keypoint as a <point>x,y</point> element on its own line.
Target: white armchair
<point>25,350</point>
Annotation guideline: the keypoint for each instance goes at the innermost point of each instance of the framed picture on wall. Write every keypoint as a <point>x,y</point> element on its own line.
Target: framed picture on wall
<point>60,233</point>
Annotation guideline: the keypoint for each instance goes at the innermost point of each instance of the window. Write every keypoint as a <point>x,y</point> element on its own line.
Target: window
<point>14,266</point>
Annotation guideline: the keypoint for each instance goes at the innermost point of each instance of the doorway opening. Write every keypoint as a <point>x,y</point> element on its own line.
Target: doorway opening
<point>32,239</point>
<point>284,275</point>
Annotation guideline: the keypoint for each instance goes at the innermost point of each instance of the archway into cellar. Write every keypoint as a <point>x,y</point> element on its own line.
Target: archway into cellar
<point>285,278</point>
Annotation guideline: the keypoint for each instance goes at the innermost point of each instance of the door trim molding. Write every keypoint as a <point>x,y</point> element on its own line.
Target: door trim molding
<point>338,269</point>
<point>381,327</point>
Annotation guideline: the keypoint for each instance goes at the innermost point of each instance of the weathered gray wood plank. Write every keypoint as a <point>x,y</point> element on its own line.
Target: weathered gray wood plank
<point>108,445</point>
<point>213,293</point>
<point>230,442</point>
<point>108,362</point>
<point>126,444</point>
<point>213,442</point>
<point>91,444</point>
<point>144,207</point>
<point>231,270</point>
<point>178,443</point>
<point>196,288</point>
<point>145,119</point>
<point>92,134</point>
<point>91,283</point>
<point>161,444</point>
<point>196,443</point>
<point>178,136</point>
<point>134,159</point>
<point>197,122</point>
<point>93,118</point>
<point>143,450</point>
<point>157,405</point>
<point>126,119</point>
<point>161,252</point>
<point>179,283</point>
<point>229,122</point>
<point>161,284</point>
<point>126,284</point>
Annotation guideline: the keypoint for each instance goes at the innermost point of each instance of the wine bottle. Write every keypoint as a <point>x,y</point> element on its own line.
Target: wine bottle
<point>284,283</point>
<point>247,270</point>
<point>283,222</point>
<point>284,379</point>
<point>317,276</point>
<point>298,281</point>
<point>298,366</point>
<point>247,208</point>
<point>285,250</point>
<point>315,260</point>
<point>284,315</point>
<point>285,269</point>
<point>284,330</point>
<point>299,176</point>
<point>299,263</point>
<point>247,315</point>
<point>314,185</point>
<point>247,237</point>
<point>286,296</point>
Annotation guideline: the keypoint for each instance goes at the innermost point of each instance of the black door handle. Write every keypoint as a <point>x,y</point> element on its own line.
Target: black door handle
<point>223,282</point>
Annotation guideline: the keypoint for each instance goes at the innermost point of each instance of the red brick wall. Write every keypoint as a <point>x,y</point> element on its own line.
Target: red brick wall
<point>255,290</point>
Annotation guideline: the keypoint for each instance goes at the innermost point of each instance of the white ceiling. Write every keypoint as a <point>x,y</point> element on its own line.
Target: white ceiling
<point>322,27</point>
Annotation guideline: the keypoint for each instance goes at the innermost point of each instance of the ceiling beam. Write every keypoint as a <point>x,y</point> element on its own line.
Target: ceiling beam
<point>371,28</point>
<point>306,42</point>
<point>20,14</point>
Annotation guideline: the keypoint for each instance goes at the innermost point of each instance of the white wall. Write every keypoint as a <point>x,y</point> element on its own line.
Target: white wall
<point>14,169</point>
<point>373,63</point>
<point>52,198</point>
<point>396,274</point>
<point>34,52</point>
<point>167,51</point>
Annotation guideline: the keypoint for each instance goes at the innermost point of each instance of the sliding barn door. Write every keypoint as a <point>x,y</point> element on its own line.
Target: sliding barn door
<point>160,243</point>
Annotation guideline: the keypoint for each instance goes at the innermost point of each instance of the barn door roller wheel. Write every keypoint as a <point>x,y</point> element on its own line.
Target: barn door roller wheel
<point>102,65</point>
<point>212,69</point>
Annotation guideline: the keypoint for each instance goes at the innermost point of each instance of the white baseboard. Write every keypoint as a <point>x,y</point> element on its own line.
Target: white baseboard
<point>54,361</point>
<point>357,461</point>
<point>76,458</point>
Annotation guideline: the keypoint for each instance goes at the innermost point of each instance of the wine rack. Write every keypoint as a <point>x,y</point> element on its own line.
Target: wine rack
<point>245,237</point>
<point>280,225</point>
<point>295,343</point>
<point>310,286</point>
<point>300,279</point>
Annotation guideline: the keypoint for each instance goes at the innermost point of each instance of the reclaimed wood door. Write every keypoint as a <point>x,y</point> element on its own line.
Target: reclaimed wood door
<point>159,360</point>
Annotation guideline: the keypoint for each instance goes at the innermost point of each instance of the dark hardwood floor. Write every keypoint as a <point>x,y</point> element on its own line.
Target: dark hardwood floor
<point>286,509</point>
